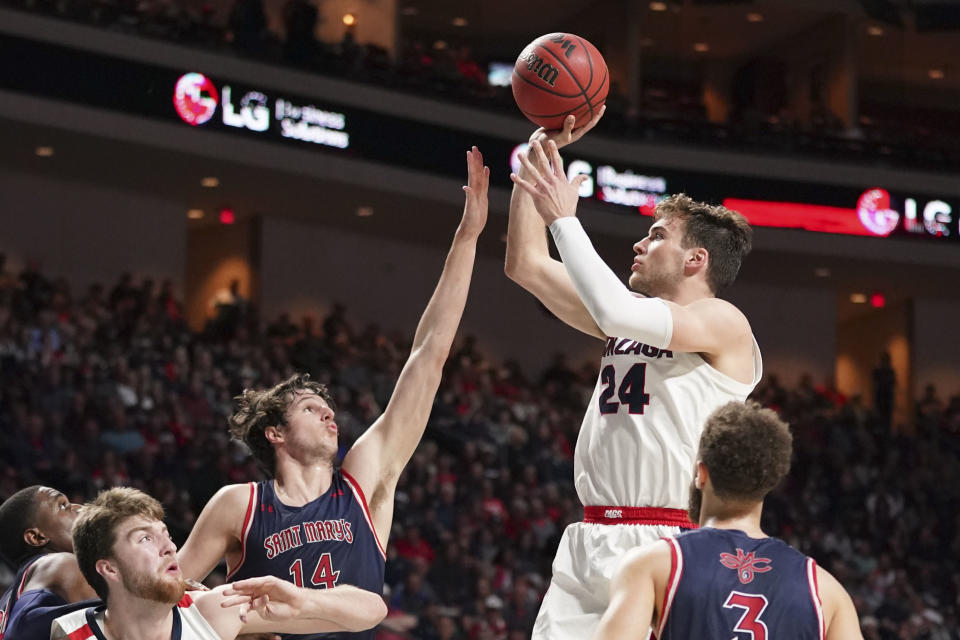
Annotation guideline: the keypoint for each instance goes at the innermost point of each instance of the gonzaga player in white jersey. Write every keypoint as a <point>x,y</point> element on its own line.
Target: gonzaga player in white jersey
<point>673,353</point>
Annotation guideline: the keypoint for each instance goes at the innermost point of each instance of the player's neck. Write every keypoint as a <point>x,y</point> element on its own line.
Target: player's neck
<point>690,291</point>
<point>131,618</point>
<point>297,484</point>
<point>741,517</point>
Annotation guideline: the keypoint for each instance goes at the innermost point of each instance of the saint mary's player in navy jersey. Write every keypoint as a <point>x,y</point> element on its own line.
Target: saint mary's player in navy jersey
<point>35,539</point>
<point>313,524</point>
<point>728,579</point>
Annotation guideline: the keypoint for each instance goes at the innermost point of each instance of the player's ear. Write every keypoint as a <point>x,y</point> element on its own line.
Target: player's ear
<point>35,538</point>
<point>107,569</point>
<point>273,434</point>
<point>697,258</point>
<point>700,480</point>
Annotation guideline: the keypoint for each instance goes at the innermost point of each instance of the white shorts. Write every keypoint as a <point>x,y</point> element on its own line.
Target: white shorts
<point>587,559</point>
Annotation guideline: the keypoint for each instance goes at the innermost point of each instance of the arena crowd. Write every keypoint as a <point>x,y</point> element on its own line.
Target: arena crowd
<point>109,386</point>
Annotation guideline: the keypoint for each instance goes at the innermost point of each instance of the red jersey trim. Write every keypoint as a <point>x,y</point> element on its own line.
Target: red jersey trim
<point>185,602</point>
<point>358,493</point>
<point>247,525</point>
<point>23,580</point>
<point>83,633</point>
<point>676,571</point>
<point>815,593</point>
<point>655,516</point>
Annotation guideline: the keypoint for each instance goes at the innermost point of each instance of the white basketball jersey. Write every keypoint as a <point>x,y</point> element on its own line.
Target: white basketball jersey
<point>640,434</point>
<point>87,624</point>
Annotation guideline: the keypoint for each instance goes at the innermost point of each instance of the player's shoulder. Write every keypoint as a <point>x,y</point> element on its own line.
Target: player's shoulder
<point>647,558</point>
<point>60,565</point>
<point>230,502</point>
<point>719,309</point>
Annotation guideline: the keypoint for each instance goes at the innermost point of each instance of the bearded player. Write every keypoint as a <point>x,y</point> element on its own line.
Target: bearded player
<point>673,352</point>
<point>313,524</point>
<point>126,554</point>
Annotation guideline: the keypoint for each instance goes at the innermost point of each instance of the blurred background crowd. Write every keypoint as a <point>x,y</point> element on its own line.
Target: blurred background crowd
<point>108,386</point>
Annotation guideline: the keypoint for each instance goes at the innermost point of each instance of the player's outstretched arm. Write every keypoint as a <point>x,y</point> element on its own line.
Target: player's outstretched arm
<point>217,530</point>
<point>380,454</point>
<point>839,615</point>
<point>528,261</point>
<point>269,604</point>
<point>706,326</point>
<point>633,593</point>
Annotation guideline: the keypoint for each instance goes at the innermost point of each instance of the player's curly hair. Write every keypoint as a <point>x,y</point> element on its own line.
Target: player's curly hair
<point>255,410</point>
<point>746,448</point>
<point>724,233</point>
<point>95,529</point>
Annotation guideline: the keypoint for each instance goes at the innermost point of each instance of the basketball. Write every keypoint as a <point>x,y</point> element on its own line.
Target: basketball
<point>559,74</point>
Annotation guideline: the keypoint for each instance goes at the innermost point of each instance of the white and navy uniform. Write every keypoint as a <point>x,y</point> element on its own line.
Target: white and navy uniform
<point>633,465</point>
<point>87,624</point>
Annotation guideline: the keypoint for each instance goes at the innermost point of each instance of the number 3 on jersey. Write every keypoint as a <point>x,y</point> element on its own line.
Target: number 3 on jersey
<point>753,606</point>
<point>630,392</point>
<point>323,576</point>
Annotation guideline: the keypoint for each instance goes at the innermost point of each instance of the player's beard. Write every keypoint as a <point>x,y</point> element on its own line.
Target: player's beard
<point>694,503</point>
<point>159,588</point>
<point>311,451</point>
<point>656,284</point>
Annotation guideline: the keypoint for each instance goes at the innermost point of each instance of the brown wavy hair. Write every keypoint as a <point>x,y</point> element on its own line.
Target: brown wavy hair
<point>724,233</point>
<point>257,409</point>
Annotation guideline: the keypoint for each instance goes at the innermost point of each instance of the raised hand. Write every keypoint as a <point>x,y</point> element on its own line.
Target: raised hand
<point>553,195</point>
<point>476,205</point>
<point>567,135</point>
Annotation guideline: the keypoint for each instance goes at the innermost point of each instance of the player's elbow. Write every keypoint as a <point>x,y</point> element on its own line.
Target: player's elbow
<point>370,612</point>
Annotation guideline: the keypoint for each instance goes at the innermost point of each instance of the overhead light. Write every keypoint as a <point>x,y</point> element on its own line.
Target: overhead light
<point>364,212</point>
<point>349,19</point>
<point>877,300</point>
<point>44,152</point>
<point>935,74</point>
<point>210,182</point>
<point>858,298</point>
<point>658,6</point>
<point>227,216</point>
<point>701,47</point>
<point>822,272</point>
<point>195,214</point>
<point>440,45</point>
<point>753,16</point>
<point>874,30</point>
<point>459,22</point>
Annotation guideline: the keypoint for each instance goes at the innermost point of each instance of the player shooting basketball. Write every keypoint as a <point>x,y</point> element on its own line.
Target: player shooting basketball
<point>314,524</point>
<point>674,352</point>
<point>729,578</point>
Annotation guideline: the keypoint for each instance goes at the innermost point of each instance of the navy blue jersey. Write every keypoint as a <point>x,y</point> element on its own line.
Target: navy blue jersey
<point>725,584</point>
<point>324,543</point>
<point>29,614</point>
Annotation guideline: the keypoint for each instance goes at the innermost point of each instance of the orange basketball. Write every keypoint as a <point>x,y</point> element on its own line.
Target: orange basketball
<point>559,74</point>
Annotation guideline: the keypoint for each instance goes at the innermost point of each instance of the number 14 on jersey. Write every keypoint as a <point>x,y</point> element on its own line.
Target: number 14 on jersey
<point>323,576</point>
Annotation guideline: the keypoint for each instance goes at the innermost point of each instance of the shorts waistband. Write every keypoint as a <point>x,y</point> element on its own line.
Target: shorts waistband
<point>638,515</point>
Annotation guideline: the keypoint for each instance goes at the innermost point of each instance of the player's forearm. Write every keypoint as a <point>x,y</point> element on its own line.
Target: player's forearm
<point>617,312</point>
<point>526,240</point>
<point>439,323</point>
<point>348,607</point>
